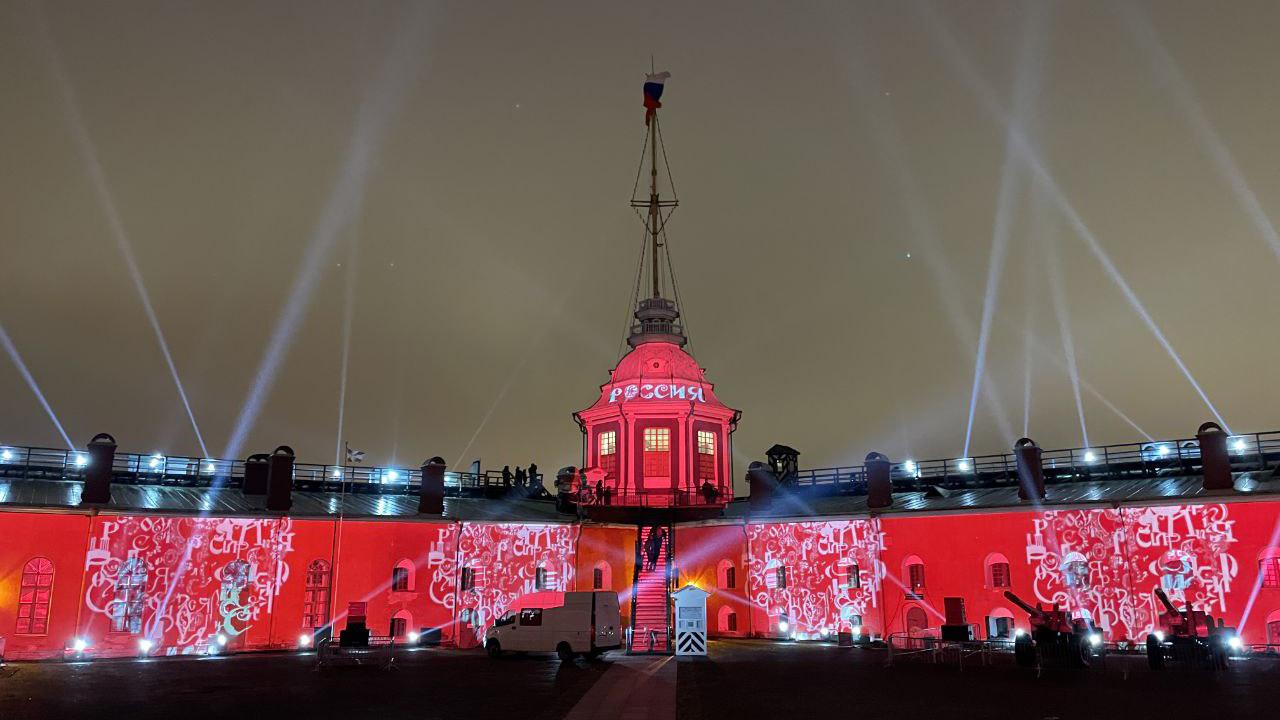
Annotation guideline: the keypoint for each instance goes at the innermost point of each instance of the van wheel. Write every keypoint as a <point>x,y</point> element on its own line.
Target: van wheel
<point>494,649</point>
<point>564,652</point>
<point>594,655</point>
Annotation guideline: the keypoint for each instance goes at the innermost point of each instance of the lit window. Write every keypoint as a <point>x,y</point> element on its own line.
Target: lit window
<point>540,579</point>
<point>706,442</point>
<point>657,452</point>
<point>706,456</point>
<point>781,577</point>
<point>1269,568</point>
<point>657,439</point>
<point>597,579</point>
<point>130,596</point>
<point>999,575</point>
<point>34,596</point>
<point>531,617</point>
<point>315,600</point>
<point>609,453</point>
<point>468,578</point>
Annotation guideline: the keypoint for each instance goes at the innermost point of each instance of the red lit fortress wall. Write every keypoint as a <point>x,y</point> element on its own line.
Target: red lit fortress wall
<point>714,557</point>
<point>27,537</point>
<point>368,553</point>
<point>611,550</point>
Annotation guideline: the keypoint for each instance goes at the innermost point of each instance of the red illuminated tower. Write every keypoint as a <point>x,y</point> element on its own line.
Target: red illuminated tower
<point>658,432</point>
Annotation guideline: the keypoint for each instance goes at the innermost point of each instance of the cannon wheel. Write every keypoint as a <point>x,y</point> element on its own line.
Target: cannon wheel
<point>1155,653</point>
<point>1078,650</point>
<point>1024,651</point>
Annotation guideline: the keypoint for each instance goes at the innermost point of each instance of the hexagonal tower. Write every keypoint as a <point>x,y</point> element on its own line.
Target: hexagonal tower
<point>657,436</point>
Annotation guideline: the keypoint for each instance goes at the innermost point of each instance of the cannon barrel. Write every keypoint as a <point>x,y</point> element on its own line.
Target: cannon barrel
<point>1164,600</point>
<point>1032,611</point>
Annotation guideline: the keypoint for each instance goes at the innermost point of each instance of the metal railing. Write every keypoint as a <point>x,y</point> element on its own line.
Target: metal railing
<point>33,463</point>
<point>1130,461</point>
<point>667,499</point>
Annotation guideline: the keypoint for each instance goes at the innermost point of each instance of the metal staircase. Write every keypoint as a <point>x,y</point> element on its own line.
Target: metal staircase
<point>651,595</point>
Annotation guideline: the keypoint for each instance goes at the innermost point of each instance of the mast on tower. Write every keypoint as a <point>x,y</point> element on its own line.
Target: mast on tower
<point>656,316</point>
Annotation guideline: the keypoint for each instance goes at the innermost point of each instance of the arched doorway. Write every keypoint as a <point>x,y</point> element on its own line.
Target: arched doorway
<point>917,621</point>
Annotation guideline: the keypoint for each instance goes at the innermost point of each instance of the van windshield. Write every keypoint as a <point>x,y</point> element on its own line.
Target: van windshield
<point>507,619</point>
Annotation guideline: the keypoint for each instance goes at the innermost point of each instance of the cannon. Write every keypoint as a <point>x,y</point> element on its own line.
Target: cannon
<point>1189,636</point>
<point>1054,637</point>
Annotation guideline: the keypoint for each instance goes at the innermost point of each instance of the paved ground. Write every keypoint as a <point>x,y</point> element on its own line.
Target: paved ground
<point>765,680</point>
<point>741,680</point>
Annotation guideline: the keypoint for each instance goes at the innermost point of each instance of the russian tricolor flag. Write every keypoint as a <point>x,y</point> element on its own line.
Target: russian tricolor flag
<point>653,85</point>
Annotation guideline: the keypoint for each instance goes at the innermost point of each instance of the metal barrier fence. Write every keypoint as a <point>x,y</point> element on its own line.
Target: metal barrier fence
<point>33,463</point>
<point>1130,461</point>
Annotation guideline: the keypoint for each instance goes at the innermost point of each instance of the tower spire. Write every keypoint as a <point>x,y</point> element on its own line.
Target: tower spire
<point>656,316</point>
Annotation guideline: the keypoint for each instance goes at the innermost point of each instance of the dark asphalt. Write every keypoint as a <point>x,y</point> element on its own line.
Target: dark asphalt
<point>809,681</point>
<point>741,679</point>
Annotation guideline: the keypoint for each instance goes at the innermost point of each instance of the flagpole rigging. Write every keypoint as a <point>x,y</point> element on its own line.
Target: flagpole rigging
<point>654,215</point>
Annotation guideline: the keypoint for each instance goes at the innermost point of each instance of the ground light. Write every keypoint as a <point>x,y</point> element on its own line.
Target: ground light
<point>784,626</point>
<point>144,646</point>
<point>1237,444</point>
<point>1159,636</point>
<point>82,460</point>
<point>6,455</point>
<point>1095,639</point>
<point>79,645</point>
<point>413,638</point>
<point>1090,456</point>
<point>1235,643</point>
<point>304,640</point>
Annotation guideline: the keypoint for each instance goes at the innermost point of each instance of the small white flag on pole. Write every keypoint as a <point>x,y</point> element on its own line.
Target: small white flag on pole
<point>354,456</point>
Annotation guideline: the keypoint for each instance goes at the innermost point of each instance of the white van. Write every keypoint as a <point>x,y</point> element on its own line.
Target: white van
<point>568,624</point>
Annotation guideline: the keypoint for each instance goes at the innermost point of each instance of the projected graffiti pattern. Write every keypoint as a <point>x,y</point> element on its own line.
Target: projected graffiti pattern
<point>200,576</point>
<point>1106,564</point>
<point>507,561</point>
<point>801,570</point>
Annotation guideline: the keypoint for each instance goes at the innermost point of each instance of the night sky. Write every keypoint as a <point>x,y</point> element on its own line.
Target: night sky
<point>458,176</point>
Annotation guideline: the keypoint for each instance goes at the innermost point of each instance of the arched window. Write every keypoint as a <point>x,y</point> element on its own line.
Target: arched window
<point>1000,624</point>
<point>235,577</point>
<point>402,576</point>
<point>726,575</point>
<point>852,577</point>
<point>34,595</point>
<point>468,579</point>
<point>727,620</point>
<point>315,601</point>
<point>607,442</point>
<point>917,622</point>
<point>913,570</point>
<point>1269,567</point>
<point>1075,571</point>
<point>602,576</point>
<point>997,572</point>
<point>400,623</point>
<point>130,596</point>
<point>1273,628</point>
